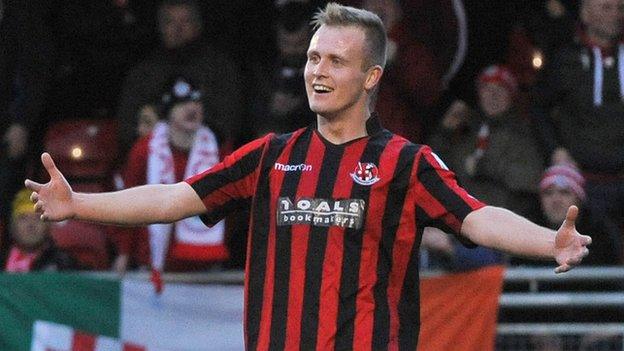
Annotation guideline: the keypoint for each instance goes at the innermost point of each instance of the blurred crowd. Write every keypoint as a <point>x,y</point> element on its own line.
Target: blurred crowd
<point>524,101</point>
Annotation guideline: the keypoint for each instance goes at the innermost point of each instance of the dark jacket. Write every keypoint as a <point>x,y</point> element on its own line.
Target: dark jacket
<point>212,69</point>
<point>568,117</point>
<point>508,173</point>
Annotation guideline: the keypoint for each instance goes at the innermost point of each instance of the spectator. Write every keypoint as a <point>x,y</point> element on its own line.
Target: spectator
<point>147,119</point>
<point>33,248</point>
<point>173,151</point>
<point>542,29</point>
<point>441,251</point>
<point>26,60</point>
<point>412,81</point>
<point>183,52</point>
<point>97,43</point>
<point>287,102</point>
<point>492,150</point>
<point>563,186</point>
<point>579,105</point>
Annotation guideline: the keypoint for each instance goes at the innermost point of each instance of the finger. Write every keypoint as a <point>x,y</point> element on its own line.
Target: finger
<point>563,268</point>
<point>571,216</point>
<point>34,186</point>
<point>34,197</point>
<point>49,165</point>
<point>585,240</point>
<point>38,206</point>
<point>585,252</point>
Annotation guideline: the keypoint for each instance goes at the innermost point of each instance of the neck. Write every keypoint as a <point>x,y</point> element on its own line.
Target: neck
<point>343,128</point>
<point>180,139</point>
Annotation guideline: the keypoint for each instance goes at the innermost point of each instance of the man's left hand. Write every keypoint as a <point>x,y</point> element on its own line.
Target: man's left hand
<point>570,246</point>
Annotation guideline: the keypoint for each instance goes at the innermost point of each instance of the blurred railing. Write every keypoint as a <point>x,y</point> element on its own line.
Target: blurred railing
<point>527,292</point>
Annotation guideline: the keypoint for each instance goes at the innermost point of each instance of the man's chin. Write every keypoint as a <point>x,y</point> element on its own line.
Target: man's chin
<point>320,111</point>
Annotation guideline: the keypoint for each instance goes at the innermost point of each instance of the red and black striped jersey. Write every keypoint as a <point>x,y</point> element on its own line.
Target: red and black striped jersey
<point>332,256</point>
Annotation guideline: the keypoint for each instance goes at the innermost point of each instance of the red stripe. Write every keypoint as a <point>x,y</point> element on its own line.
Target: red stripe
<point>267,302</point>
<point>131,347</point>
<point>193,252</point>
<point>365,303</point>
<point>430,204</point>
<point>401,251</point>
<point>332,264</point>
<point>83,342</point>
<point>240,189</point>
<point>448,177</point>
<point>299,248</point>
<point>233,158</point>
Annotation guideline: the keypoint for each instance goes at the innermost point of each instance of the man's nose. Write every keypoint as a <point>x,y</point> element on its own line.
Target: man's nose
<point>321,69</point>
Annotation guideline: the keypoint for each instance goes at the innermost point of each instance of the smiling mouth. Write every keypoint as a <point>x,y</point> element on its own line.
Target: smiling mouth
<point>321,89</point>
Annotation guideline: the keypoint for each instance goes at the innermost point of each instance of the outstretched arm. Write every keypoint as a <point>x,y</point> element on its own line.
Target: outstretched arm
<point>161,203</point>
<point>501,229</point>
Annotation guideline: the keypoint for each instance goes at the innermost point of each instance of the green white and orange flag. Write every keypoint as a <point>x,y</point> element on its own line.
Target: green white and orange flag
<point>72,312</point>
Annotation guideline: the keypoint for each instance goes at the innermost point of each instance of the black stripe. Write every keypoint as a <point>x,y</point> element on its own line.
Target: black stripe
<point>237,171</point>
<point>259,234</point>
<point>409,302</point>
<point>390,223</point>
<point>452,202</point>
<point>352,250</point>
<point>283,247</point>
<point>215,216</point>
<point>436,186</point>
<point>317,242</point>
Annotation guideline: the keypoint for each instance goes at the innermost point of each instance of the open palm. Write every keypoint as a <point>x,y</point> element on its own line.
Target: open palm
<point>570,246</point>
<point>53,200</point>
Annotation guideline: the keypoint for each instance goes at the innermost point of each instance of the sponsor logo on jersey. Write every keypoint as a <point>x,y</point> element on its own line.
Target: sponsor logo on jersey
<point>346,213</point>
<point>292,168</point>
<point>366,173</point>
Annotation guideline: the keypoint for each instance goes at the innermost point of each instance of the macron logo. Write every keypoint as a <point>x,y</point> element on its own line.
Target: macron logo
<point>292,168</point>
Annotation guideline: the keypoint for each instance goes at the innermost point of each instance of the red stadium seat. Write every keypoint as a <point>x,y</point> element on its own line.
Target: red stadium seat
<point>83,148</point>
<point>84,241</point>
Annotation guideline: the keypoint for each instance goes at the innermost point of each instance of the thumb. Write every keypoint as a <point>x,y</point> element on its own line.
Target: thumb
<point>49,165</point>
<point>570,219</point>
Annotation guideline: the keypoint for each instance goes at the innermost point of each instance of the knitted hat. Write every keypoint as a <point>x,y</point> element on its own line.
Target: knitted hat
<point>22,204</point>
<point>564,176</point>
<point>179,90</point>
<point>499,75</point>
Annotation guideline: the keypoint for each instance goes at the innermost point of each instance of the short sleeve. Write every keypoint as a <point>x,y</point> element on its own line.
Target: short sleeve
<point>440,201</point>
<point>230,184</point>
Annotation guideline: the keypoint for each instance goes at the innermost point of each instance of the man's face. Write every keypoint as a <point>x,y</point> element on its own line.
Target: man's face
<point>334,76</point>
<point>555,202</point>
<point>494,99</point>
<point>178,26</point>
<point>603,18</point>
<point>29,231</point>
<point>186,116</point>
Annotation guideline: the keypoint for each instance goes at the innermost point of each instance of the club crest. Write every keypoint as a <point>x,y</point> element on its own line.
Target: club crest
<point>365,173</point>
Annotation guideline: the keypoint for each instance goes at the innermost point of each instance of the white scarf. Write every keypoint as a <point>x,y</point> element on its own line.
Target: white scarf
<point>161,170</point>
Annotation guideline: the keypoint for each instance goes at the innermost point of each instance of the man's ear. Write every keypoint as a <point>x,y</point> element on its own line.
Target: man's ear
<point>372,77</point>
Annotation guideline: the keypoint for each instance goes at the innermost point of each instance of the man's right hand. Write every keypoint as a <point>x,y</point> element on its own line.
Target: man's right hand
<point>54,199</point>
